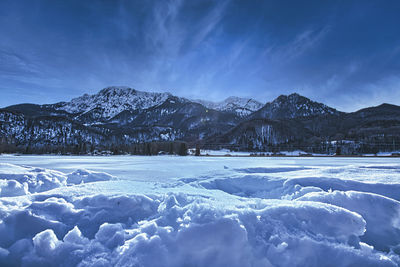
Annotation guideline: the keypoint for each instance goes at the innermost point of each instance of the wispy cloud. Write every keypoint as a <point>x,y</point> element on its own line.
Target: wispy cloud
<point>163,33</point>
<point>174,39</point>
<point>14,64</point>
<point>300,44</point>
<point>210,22</point>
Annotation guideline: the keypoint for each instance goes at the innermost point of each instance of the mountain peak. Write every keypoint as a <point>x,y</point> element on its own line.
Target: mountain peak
<point>240,105</point>
<point>292,97</point>
<point>292,106</point>
<point>235,98</point>
<point>117,90</point>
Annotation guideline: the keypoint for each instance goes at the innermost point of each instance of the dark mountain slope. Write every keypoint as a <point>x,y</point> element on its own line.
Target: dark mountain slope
<point>292,106</point>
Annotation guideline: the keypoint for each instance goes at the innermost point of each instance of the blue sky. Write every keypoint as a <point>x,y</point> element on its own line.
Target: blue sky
<point>343,53</point>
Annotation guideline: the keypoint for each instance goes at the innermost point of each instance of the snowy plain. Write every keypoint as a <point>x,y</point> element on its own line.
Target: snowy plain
<point>199,211</point>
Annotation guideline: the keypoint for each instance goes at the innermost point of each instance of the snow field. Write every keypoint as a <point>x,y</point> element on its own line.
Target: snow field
<point>238,215</point>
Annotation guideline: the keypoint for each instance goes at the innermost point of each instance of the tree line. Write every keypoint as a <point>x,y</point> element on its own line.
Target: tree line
<point>9,145</point>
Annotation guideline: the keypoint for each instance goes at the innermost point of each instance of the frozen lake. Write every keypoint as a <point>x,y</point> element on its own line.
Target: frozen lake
<point>199,211</point>
<point>150,168</point>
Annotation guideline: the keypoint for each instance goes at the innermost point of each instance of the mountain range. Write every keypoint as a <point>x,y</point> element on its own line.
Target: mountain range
<point>118,118</point>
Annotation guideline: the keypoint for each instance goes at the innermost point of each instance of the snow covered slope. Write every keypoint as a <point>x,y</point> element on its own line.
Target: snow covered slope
<point>200,212</point>
<point>239,105</point>
<point>292,106</point>
<point>111,101</point>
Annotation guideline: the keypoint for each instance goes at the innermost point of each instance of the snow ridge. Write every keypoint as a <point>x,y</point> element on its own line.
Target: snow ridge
<point>113,100</point>
<point>242,106</point>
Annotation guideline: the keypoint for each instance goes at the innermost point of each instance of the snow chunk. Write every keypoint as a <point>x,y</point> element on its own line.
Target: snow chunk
<point>45,243</point>
<point>85,176</point>
<point>382,214</point>
<point>10,188</point>
<point>19,180</point>
<point>111,235</point>
<point>326,184</point>
<point>22,180</point>
<point>75,237</point>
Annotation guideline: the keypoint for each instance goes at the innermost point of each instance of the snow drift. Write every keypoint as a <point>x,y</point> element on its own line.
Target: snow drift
<point>241,217</point>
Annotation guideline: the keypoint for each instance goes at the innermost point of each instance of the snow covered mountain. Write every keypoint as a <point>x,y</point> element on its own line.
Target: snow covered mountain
<point>113,116</point>
<point>111,101</point>
<point>117,117</point>
<point>322,130</point>
<point>292,106</point>
<point>239,105</point>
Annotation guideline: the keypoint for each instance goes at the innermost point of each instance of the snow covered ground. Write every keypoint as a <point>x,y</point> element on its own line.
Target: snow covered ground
<point>199,211</point>
<point>296,153</point>
<point>227,152</point>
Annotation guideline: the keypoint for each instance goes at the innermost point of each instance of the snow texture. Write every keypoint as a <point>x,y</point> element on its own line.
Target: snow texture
<point>227,212</point>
